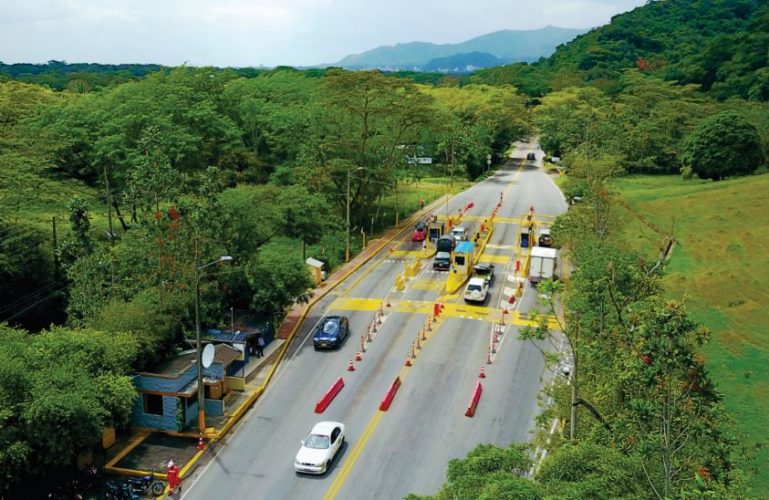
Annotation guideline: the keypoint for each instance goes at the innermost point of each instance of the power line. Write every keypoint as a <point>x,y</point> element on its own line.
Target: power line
<point>21,301</point>
<point>35,304</point>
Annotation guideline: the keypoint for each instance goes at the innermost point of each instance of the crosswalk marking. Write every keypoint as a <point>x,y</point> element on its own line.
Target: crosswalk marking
<point>452,310</point>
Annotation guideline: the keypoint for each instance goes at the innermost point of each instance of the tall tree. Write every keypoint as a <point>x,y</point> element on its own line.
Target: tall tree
<point>723,145</point>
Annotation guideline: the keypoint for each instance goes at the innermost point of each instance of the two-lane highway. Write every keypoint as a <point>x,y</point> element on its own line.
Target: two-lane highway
<point>406,449</point>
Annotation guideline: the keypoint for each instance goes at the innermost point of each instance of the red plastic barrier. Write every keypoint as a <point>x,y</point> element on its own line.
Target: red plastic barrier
<point>323,403</point>
<point>388,399</point>
<point>474,402</point>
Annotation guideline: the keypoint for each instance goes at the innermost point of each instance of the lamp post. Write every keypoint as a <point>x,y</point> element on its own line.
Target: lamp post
<point>347,245</point>
<point>201,391</point>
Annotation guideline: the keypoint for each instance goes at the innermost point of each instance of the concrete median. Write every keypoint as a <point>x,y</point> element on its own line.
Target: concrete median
<point>329,396</point>
<point>388,399</point>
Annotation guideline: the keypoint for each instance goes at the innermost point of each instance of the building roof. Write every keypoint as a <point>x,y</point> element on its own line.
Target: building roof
<point>465,247</point>
<point>225,354</point>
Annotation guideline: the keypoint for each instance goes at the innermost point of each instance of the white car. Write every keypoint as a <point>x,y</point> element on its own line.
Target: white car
<point>459,233</point>
<point>319,449</point>
<point>476,290</point>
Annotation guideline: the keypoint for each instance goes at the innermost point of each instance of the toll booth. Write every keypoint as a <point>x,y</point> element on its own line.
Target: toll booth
<point>462,259</point>
<point>435,230</point>
<point>317,270</point>
<point>528,231</point>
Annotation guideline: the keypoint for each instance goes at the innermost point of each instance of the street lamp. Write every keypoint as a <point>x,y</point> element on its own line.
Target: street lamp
<point>201,391</point>
<point>347,246</point>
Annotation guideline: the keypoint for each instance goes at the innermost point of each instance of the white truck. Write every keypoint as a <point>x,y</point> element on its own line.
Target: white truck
<point>542,264</point>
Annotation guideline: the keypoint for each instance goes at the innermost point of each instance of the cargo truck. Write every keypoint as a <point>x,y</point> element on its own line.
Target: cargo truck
<point>542,264</point>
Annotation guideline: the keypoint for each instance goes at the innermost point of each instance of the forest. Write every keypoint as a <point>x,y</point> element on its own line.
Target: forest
<point>116,182</point>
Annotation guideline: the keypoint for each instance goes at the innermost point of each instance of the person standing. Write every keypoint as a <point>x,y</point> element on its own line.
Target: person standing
<point>259,345</point>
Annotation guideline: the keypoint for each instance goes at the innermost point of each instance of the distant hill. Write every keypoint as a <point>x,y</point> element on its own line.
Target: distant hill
<point>506,46</point>
<point>721,45</point>
<point>462,63</point>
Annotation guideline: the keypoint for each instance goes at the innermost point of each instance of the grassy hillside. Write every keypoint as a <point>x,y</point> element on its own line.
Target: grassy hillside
<point>721,267</point>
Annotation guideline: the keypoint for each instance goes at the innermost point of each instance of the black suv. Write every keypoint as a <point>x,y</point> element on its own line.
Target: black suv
<point>531,156</point>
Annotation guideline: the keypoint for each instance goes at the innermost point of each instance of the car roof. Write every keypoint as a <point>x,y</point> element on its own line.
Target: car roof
<point>458,229</point>
<point>325,428</point>
<point>476,281</point>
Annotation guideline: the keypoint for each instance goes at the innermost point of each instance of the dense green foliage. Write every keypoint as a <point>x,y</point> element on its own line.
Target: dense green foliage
<point>720,45</point>
<point>58,391</point>
<point>723,145</point>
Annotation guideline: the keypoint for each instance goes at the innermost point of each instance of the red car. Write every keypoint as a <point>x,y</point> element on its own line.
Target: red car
<point>420,232</point>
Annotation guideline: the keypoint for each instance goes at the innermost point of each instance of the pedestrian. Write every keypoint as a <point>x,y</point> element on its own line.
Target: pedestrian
<point>259,346</point>
<point>251,344</point>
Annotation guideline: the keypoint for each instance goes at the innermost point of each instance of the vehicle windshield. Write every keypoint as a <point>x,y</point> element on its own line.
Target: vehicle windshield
<point>482,271</point>
<point>443,255</point>
<point>317,442</point>
<point>473,288</point>
<point>331,327</point>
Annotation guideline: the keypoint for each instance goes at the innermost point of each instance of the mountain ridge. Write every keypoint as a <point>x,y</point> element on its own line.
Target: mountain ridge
<point>505,45</point>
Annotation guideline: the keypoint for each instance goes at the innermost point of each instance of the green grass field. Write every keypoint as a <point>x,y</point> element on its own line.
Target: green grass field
<point>720,268</point>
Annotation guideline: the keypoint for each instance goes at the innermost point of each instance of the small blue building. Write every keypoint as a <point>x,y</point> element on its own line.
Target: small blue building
<point>168,396</point>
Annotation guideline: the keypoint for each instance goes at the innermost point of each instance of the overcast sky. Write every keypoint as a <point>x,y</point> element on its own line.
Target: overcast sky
<point>265,32</point>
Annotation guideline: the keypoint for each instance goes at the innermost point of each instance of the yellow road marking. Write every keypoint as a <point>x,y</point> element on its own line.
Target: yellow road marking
<point>495,259</point>
<point>354,454</point>
<point>397,254</point>
<point>451,310</point>
<point>500,247</point>
<point>372,424</point>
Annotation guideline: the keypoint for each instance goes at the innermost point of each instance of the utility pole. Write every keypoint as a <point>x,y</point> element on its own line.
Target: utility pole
<point>397,215</point>
<point>109,206</point>
<point>347,245</point>
<point>56,263</point>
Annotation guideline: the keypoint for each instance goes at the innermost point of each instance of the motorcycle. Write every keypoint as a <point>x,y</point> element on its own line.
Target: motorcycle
<point>148,483</point>
<point>119,491</point>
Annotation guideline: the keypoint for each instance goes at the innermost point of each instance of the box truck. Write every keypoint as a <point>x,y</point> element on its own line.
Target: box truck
<point>542,264</point>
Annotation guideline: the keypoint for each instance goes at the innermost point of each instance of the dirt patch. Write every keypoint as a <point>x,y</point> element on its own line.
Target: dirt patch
<point>154,453</point>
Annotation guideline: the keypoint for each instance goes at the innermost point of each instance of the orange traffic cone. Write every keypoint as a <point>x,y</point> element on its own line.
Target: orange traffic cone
<point>424,337</point>
<point>408,361</point>
<point>350,367</point>
<point>362,344</point>
<point>417,343</point>
<point>201,444</point>
<point>358,357</point>
<point>481,374</point>
<point>488,360</point>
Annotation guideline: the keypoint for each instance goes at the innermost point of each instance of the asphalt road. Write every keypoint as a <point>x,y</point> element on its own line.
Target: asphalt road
<point>406,449</point>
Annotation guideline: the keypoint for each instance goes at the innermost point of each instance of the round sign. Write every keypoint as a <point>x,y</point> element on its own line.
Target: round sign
<point>208,355</point>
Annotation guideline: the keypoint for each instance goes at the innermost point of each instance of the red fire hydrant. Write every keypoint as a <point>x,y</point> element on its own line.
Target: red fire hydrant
<point>173,477</point>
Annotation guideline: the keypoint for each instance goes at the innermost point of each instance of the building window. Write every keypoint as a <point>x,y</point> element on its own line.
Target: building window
<point>153,404</point>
